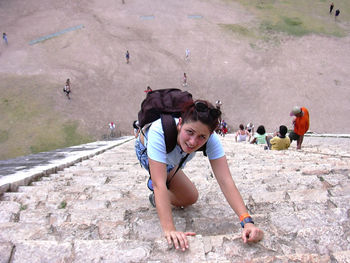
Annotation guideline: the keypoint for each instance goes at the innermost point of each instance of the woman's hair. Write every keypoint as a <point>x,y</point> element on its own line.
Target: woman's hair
<point>261,130</point>
<point>241,126</point>
<point>208,114</point>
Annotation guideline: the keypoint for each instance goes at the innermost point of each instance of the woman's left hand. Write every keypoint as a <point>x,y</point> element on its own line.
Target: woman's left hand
<point>251,233</point>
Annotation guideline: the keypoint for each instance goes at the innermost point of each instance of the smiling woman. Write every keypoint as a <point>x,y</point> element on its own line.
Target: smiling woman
<point>171,186</point>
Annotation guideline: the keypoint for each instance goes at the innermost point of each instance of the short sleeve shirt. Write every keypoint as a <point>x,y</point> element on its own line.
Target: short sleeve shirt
<point>261,139</point>
<point>156,149</point>
<point>278,143</point>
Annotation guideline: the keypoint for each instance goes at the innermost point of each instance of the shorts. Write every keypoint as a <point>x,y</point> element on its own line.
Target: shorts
<point>293,136</point>
<point>141,153</point>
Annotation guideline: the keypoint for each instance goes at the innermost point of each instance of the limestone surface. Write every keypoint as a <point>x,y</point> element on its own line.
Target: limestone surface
<point>98,210</point>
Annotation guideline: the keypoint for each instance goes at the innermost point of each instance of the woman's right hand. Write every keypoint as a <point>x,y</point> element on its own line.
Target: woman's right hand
<point>178,239</point>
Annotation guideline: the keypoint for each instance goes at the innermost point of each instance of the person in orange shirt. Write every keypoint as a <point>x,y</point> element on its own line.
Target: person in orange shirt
<point>301,122</point>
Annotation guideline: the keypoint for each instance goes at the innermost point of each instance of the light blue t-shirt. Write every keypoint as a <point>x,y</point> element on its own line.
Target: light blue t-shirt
<point>156,149</point>
<point>260,139</point>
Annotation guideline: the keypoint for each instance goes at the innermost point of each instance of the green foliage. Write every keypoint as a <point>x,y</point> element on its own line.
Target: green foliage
<point>62,205</point>
<point>238,29</point>
<point>296,17</point>
<point>292,21</point>
<point>23,207</point>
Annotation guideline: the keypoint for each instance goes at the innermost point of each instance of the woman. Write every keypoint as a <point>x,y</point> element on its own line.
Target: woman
<point>260,136</point>
<point>242,134</point>
<point>171,186</point>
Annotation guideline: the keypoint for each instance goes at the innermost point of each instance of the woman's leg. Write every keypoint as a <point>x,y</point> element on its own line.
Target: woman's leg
<point>182,191</point>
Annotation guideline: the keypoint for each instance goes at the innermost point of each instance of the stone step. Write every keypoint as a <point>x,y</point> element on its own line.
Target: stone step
<point>9,211</point>
<point>93,210</point>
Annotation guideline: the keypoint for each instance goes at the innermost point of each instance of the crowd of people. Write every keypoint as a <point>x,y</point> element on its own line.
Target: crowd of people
<point>279,140</point>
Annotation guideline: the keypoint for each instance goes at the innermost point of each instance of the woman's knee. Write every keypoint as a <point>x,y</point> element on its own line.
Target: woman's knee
<point>193,197</point>
<point>186,200</point>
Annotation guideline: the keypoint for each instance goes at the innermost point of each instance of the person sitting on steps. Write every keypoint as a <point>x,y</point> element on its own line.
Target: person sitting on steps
<point>280,141</point>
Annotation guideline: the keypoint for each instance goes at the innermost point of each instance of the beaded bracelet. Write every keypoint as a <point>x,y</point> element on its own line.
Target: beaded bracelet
<point>243,216</point>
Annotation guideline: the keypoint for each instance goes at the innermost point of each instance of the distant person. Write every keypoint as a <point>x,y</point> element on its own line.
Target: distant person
<point>184,80</point>
<point>331,8</point>
<point>112,128</point>
<point>136,127</point>
<point>218,104</point>
<point>67,88</point>
<point>127,56</point>
<point>337,12</point>
<point>187,54</point>
<point>260,135</point>
<point>280,141</point>
<point>250,129</point>
<point>224,128</point>
<point>242,134</point>
<point>301,123</point>
<point>148,89</point>
<point>4,37</point>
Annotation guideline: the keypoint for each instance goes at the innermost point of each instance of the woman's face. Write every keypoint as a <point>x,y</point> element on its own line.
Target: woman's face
<point>192,135</point>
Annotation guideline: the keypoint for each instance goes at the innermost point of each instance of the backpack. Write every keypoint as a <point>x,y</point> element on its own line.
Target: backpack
<point>165,104</point>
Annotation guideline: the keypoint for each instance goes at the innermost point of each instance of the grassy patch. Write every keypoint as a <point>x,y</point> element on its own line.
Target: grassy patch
<point>298,17</point>
<point>238,29</point>
<point>29,123</point>
<point>58,136</point>
<point>4,135</point>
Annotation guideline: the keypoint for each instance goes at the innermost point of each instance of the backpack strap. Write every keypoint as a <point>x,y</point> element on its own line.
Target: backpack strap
<point>170,131</point>
<point>183,159</point>
<point>170,134</point>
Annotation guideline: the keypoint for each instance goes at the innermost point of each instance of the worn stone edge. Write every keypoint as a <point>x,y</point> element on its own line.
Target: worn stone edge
<point>12,182</point>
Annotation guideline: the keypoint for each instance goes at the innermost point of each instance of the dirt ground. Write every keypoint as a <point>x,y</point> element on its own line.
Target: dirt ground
<point>257,82</point>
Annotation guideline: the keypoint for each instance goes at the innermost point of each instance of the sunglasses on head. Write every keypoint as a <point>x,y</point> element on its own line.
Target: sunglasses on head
<point>203,107</point>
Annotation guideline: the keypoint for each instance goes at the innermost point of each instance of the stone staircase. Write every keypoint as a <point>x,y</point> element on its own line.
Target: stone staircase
<point>98,209</point>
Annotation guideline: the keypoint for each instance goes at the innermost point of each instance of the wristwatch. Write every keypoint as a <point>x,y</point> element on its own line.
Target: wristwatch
<point>246,220</point>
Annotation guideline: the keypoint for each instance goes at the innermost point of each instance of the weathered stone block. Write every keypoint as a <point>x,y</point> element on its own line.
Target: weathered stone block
<point>42,251</point>
<point>111,251</point>
<point>5,251</point>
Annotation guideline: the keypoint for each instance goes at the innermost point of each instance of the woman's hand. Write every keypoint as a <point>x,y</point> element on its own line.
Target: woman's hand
<point>178,239</point>
<point>251,233</point>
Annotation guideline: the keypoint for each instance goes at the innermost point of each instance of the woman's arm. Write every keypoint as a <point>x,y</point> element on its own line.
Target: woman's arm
<point>159,176</point>
<point>234,198</point>
<point>163,205</point>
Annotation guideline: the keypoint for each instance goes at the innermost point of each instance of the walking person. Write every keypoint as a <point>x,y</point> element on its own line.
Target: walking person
<point>171,186</point>
<point>187,54</point>
<point>331,8</point>
<point>148,89</point>
<point>127,56</point>
<point>301,123</point>
<point>67,89</point>
<point>218,104</point>
<point>337,12</point>
<point>4,37</point>
<point>184,80</point>
<point>112,128</point>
